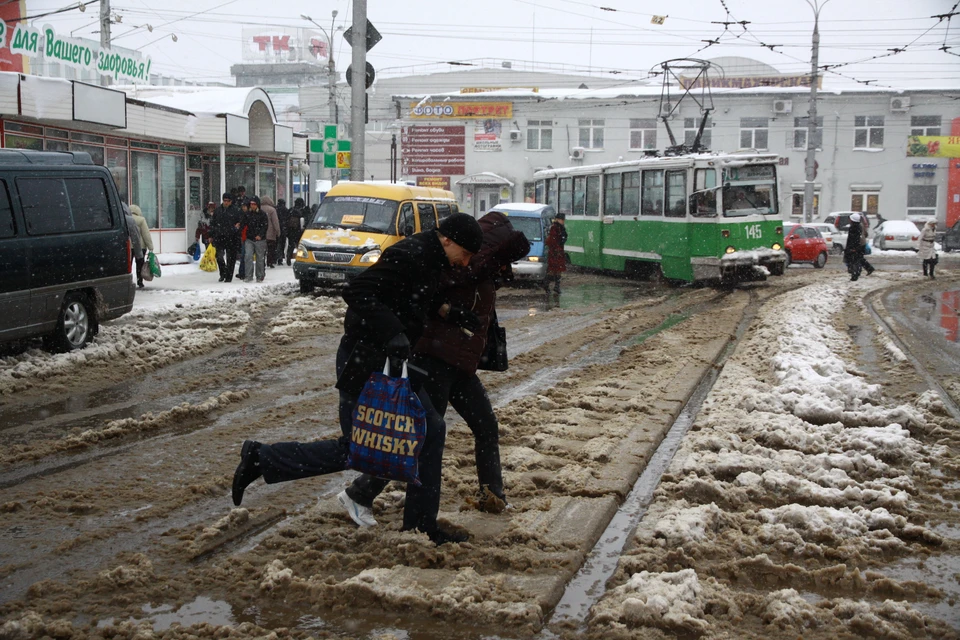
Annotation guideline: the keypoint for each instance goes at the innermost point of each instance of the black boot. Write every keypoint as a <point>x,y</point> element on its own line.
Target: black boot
<point>247,471</point>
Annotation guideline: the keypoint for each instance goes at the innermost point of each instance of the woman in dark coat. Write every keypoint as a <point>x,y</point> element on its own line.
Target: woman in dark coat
<point>853,254</point>
<point>556,257</point>
<point>450,353</point>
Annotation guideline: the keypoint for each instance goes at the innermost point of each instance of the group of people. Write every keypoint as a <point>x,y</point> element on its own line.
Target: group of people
<point>253,231</point>
<point>854,254</point>
<point>430,299</point>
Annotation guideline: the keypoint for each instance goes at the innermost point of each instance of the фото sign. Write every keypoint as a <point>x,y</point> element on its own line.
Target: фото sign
<point>461,110</point>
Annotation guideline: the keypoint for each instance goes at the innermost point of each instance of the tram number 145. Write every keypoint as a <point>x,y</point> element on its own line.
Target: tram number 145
<point>754,232</point>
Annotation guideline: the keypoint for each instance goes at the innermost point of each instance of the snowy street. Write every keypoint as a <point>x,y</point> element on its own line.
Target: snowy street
<point>814,490</point>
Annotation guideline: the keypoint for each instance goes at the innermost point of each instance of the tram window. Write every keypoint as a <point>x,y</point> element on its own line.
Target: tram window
<point>677,193</point>
<point>703,202</point>
<point>612,194</point>
<point>552,191</point>
<point>579,195</point>
<point>593,196</point>
<point>631,193</point>
<point>652,196</point>
<point>566,196</point>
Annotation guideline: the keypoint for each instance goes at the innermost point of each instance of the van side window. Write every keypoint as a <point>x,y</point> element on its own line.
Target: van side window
<point>428,218</point>
<point>8,228</point>
<point>443,211</point>
<point>46,208</point>
<point>405,224</point>
<point>89,204</point>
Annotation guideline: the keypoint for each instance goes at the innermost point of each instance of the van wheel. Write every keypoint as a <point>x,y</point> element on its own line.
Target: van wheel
<point>820,261</point>
<point>76,325</point>
<point>306,286</point>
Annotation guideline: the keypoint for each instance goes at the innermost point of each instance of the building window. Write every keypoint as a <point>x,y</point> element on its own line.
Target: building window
<point>690,128</point>
<point>797,208</point>
<point>643,133</point>
<point>268,182</point>
<point>865,202</point>
<point>172,192</point>
<point>924,125</point>
<point>23,142</point>
<point>591,134</point>
<point>754,133</point>
<point>539,135</point>
<point>868,132</point>
<point>800,133</point>
<point>143,186</point>
<point>921,200</point>
<point>117,164</point>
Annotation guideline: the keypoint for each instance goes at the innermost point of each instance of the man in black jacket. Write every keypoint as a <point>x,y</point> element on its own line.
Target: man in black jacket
<point>226,236</point>
<point>386,308</point>
<point>255,221</point>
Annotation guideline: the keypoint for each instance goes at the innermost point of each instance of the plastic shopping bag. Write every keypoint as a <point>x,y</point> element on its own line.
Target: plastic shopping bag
<point>196,250</point>
<point>209,260</point>
<point>145,273</point>
<point>389,425</point>
<point>154,264</point>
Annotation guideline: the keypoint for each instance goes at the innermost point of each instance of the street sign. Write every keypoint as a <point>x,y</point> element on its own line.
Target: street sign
<point>343,159</point>
<point>371,74</point>
<point>373,36</point>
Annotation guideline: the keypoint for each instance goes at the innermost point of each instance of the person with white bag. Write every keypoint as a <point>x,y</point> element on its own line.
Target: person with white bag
<point>146,241</point>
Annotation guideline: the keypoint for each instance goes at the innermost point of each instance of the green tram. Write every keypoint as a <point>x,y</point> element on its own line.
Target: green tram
<point>706,217</point>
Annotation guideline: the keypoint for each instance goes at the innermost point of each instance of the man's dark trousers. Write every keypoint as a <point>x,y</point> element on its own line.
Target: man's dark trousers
<point>285,461</point>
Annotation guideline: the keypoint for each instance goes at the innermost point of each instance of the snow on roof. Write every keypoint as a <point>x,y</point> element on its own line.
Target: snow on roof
<point>202,100</point>
<point>519,206</point>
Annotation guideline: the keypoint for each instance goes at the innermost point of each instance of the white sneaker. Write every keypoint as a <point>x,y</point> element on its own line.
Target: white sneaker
<point>360,514</point>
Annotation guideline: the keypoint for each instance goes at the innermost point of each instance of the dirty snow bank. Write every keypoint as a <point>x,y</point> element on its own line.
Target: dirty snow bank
<point>795,473</point>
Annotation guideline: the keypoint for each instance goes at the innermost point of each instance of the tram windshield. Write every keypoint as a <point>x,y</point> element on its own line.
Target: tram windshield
<point>749,190</point>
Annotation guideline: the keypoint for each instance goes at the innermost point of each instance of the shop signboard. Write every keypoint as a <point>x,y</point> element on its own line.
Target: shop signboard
<point>933,147</point>
<point>434,182</point>
<point>460,110</point>
<point>433,150</point>
<point>486,135</point>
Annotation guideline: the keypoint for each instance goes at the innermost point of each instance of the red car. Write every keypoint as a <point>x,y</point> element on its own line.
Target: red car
<point>804,243</point>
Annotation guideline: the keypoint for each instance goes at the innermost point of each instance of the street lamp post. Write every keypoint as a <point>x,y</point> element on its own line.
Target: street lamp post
<point>333,114</point>
<point>811,162</point>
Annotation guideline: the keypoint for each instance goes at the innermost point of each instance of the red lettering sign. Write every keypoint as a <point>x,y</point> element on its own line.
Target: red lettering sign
<point>262,42</point>
<point>281,43</point>
<point>318,48</point>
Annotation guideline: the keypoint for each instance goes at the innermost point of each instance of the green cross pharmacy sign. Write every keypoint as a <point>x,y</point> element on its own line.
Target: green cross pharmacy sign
<point>336,153</point>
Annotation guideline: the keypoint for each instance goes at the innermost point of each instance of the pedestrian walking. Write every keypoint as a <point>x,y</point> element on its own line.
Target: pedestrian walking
<point>450,355</point>
<point>273,229</point>
<point>928,250</point>
<point>853,254</point>
<point>295,227</point>
<point>386,305</point>
<point>225,234</point>
<point>283,216</point>
<point>256,223</point>
<point>146,242</point>
<point>202,234</point>
<point>556,258</point>
<point>136,244</point>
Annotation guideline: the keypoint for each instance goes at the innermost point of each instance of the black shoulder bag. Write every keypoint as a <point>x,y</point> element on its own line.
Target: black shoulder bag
<point>494,356</point>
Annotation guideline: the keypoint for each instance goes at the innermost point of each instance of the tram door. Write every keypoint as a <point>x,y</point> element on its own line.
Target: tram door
<point>586,202</point>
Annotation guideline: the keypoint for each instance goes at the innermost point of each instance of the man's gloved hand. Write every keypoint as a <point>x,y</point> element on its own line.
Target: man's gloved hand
<point>464,318</point>
<point>398,347</point>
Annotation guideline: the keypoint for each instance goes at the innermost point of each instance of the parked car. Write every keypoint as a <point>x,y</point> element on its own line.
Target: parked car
<point>951,238</point>
<point>831,235</point>
<point>64,250</point>
<point>897,234</point>
<point>804,243</point>
<point>533,221</point>
<point>841,220</point>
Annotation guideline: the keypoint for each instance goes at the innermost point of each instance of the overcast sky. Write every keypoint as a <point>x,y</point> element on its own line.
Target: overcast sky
<point>420,36</point>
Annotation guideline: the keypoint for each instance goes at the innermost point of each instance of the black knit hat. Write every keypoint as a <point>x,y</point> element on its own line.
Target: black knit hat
<point>464,230</point>
<point>227,195</point>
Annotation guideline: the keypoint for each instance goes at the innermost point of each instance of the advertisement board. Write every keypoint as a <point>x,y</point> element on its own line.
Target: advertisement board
<point>461,110</point>
<point>433,151</point>
<point>277,45</point>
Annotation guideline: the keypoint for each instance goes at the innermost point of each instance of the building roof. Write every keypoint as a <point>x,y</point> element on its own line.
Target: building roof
<point>203,100</point>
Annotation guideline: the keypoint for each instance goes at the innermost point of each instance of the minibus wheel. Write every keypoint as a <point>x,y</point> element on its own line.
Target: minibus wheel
<point>76,325</point>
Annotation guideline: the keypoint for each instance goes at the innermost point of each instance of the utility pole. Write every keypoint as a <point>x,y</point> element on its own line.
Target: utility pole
<point>811,162</point>
<point>105,34</point>
<point>358,90</point>
<point>332,71</point>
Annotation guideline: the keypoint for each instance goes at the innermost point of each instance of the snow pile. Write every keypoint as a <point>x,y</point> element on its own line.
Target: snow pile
<point>275,575</point>
<point>795,471</point>
<point>307,315</point>
<point>664,600</point>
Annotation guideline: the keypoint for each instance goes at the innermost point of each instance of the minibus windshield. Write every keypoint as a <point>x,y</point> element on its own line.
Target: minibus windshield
<point>532,228</point>
<point>358,213</point>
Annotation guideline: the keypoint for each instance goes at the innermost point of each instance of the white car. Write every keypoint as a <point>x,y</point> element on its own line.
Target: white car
<point>833,237</point>
<point>897,234</point>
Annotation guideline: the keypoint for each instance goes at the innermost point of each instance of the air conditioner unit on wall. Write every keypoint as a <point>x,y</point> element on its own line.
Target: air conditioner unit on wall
<point>516,135</point>
<point>899,105</point>
<point>783,106</point>
<point>577,153</point>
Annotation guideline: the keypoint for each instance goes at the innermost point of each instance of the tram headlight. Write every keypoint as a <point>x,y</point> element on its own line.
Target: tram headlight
<point>776,246</point>
<point>731,250</point>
